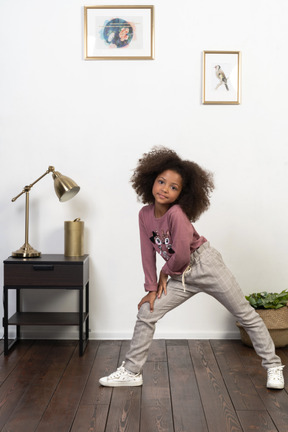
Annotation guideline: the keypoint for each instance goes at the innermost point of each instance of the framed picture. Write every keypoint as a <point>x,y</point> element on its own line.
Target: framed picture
<point>119,32</point>
<point>221,77</point>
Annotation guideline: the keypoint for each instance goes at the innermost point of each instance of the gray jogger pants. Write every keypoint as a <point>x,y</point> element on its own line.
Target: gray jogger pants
<point>209,274</point>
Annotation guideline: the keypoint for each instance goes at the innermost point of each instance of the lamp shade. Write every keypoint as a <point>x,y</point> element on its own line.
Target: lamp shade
<point>65,187</point>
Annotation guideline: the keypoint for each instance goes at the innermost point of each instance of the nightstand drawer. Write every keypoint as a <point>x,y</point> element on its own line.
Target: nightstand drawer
<point>48,274</point>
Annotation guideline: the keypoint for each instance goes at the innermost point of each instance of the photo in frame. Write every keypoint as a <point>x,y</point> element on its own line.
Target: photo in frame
<point>119,32</point>
<point>221,77</point>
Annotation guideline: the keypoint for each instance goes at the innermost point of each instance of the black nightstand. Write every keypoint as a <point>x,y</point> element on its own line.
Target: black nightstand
<point>47,272</point>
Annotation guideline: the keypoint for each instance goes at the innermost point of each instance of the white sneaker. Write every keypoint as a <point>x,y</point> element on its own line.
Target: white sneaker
<point>275,378</point>
<point>122,378</point>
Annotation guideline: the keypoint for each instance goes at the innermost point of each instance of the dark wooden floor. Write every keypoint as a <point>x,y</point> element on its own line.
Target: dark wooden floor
<point>189,386</point>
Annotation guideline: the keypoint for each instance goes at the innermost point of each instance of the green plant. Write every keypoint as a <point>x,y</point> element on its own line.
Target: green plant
<point>266,300</point>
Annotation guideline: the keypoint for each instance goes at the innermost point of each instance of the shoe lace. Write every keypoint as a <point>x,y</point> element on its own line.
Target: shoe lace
<point>120,371</point>
<point>275,373</point>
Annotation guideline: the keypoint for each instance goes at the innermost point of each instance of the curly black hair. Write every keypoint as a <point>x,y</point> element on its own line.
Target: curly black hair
<point>197,185</point>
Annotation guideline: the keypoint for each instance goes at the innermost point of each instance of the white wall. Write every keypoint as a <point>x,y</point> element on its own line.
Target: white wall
<point>92,120</point>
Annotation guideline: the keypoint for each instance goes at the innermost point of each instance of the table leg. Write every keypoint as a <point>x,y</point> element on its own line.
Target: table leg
<point>5,320</point>
<point>18,309</point>
<point>87,311</point>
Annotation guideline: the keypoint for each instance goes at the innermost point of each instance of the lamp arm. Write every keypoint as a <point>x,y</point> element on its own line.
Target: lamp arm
<point>27,188</point>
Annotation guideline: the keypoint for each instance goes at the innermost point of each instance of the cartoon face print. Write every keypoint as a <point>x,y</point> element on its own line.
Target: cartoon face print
<point>156,239</point>
<point>163,242</point>
<point>167,243</point>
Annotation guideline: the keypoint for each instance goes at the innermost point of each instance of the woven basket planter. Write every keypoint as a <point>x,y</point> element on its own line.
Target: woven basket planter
<point>276,321</point>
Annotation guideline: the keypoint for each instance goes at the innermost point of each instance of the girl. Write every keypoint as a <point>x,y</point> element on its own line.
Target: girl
<point>177,192</point>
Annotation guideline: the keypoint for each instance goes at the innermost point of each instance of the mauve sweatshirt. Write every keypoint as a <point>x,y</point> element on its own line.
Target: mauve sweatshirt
<point>172,236</point>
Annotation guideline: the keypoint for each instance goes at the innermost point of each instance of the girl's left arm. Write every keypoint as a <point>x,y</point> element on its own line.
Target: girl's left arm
<point>162,284</point>
<point>182,232</point>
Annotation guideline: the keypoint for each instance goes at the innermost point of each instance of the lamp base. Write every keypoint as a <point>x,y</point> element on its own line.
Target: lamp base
<point>26,251</point>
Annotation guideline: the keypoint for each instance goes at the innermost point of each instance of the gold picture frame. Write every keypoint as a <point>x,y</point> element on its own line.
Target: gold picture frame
<point>119,32</point>
<point>221,77</point>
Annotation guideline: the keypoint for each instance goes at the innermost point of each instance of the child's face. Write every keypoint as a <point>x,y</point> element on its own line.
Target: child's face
<point>167,188</point>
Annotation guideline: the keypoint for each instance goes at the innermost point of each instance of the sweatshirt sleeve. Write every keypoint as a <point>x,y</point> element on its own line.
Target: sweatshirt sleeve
<point>181,233</point>
<point>148,254</point>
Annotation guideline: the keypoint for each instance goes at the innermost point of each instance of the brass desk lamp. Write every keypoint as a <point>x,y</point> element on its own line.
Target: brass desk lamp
<point>65,189</point>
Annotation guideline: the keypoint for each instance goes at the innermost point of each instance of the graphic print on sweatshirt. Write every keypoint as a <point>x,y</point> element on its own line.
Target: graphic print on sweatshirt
<point>163,242</point>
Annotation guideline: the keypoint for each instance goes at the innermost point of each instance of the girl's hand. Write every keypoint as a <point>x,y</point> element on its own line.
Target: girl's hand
<point>162,284</point>
<point>149,298</point>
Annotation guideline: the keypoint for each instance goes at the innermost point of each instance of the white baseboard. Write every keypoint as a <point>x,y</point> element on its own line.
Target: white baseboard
<point>59,333</point>
<point>169,335</point>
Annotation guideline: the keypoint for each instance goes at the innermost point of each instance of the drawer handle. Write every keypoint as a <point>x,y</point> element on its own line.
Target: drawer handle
<point>43,267</point>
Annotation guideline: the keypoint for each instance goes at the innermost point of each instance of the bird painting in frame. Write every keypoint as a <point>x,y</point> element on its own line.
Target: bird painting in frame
<point>221,77</point>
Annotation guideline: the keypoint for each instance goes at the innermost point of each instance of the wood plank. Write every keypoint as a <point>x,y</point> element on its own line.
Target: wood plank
<point>106,362</point>
<point>124,414</point>
<point>31,406</point>
<point>187,407</point>
<point>256,421</point>
<point>63,406</point>
<point>283,354</point>
<point>241,389</point>
<point>176,342</point>
<point>156,412</point>
<point>90,418</point>
<point>218,408</point>
<point>17,383</point>
<point>157,351</point>
<point>8,363</point>
<point>275,401</point>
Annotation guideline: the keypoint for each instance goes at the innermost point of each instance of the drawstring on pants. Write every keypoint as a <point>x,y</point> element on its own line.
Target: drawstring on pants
<point>187,270</point>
